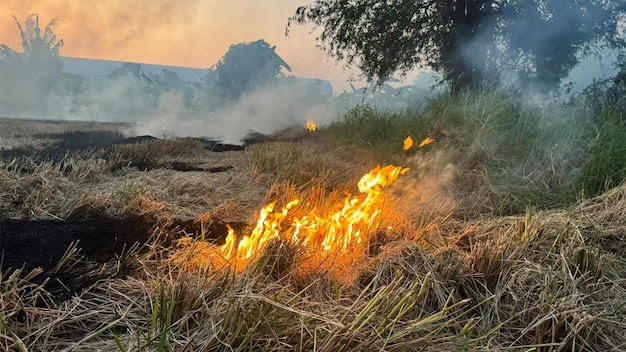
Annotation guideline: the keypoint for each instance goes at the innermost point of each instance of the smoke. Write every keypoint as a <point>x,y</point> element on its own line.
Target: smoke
<point>189,33</point>
<point>188,110</point>
<point>266,111</point>
<point>427,188</point>
<point>546,43</point>
<point>122,99</point>
<point>392,96</point>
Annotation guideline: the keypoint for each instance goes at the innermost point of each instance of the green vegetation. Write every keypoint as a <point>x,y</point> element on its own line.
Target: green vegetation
<point>548,276</point>
<point>469,42</point>
<point>504,148</point>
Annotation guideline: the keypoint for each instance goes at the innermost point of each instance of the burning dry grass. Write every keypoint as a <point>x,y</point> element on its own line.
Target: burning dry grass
<point>544,280</point>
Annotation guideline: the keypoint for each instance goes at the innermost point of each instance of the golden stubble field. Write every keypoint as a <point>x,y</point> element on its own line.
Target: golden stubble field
<point>111,242</point>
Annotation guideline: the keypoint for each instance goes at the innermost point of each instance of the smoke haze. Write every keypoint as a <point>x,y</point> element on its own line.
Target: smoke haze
<point>196,33</point>
<point>533,41</point>
<point>191,33</point>
<point>264,111</point>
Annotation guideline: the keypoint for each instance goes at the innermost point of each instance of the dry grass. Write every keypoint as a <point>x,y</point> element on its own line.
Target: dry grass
<point>534,282</point>
<point>311,164</point>
<point>542,281</point>
<point>81,185</point>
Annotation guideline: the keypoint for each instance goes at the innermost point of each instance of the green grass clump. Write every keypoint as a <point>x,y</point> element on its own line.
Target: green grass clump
<point>509,151</point>
<point>604,166</point>
<point>381,130</point>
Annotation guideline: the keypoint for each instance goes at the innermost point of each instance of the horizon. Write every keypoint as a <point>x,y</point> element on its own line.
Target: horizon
<point>135,32</point>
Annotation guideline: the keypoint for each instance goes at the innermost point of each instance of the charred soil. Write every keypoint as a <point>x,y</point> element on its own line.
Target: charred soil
<point>76,250</point>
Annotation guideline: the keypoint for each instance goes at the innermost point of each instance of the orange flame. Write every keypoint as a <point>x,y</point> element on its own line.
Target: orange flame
<point>338,231</point>
<point>426,141</point>
<point>310,126</point>
<point>408,143</point>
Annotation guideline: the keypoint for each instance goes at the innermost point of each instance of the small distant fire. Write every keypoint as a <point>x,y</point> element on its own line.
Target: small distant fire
<point>310,126</point>
<point>426,141</point>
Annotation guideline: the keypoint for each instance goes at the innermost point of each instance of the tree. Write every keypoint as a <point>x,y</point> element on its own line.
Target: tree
<point>468,40</point>
<point>127,69</point>
<point>610,93</point>
<point>29,76</point>
<point>248,66</point>
<point>134,89</point>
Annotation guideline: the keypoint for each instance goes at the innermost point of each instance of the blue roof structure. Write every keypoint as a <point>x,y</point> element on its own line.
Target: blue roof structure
<point>101,68</point>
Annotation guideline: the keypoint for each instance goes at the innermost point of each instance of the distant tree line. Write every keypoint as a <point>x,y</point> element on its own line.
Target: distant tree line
<point>32,82</point>
<point>471,42</point>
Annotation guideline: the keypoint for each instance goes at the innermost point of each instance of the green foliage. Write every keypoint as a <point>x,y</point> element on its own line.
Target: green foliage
<point>28,77</point>
<point>608,96</point>
<point>605,164</point>
<point>247,66</point>
<point>473,122</point>
<point>383,131</point>
<point>469,41</point>
<point>507,154</point>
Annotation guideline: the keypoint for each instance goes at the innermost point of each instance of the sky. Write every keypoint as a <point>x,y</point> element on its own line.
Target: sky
<point>192,33</point>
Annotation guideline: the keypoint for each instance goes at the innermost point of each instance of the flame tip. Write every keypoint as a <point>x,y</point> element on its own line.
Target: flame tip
<point>408,143</point>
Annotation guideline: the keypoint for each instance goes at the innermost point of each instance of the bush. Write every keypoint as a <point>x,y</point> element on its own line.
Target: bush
<point>509,152</point>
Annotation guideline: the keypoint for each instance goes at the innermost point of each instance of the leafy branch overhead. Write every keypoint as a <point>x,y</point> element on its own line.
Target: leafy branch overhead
<point>468,40</point>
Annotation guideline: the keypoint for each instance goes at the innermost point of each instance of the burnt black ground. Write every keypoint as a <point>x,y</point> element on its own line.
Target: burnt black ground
<point>76,142</point>
<point>28,244</point>
<point>41,243</point>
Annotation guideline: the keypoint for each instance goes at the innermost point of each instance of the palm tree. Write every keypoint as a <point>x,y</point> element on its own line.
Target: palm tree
<point>28,77</point>
<point>37,46</point>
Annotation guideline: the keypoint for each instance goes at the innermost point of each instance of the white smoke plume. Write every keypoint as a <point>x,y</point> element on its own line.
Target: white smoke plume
<point>263,111</point>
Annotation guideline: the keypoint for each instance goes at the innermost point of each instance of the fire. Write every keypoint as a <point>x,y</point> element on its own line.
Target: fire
<point>310,126</point>
<point>426,141</point>
<point>408,143</point>
<point>335,232</point>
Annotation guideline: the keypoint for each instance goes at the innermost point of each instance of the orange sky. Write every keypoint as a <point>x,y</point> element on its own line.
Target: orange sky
<point>194,33</point>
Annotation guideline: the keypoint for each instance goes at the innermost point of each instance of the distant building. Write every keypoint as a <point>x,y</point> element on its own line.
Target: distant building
<point>100,69</point>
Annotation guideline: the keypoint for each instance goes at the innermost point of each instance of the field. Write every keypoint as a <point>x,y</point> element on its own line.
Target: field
<point>506,233</point>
